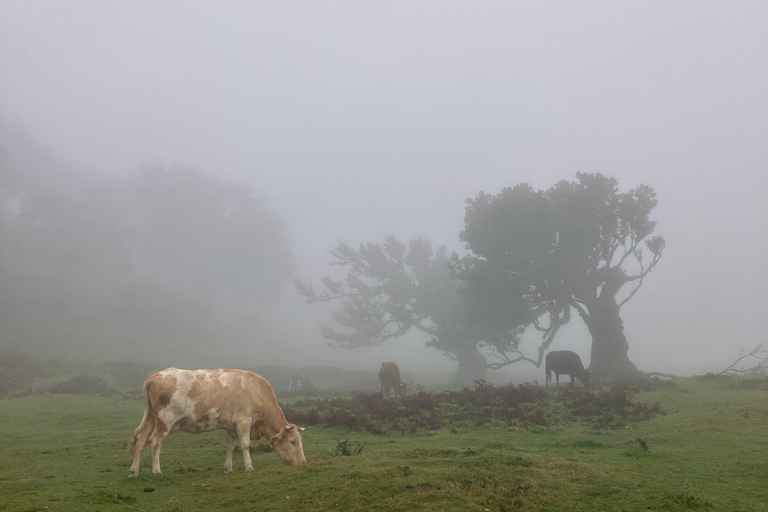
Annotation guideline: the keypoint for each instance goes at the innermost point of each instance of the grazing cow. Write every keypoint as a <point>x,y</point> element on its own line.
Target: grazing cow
<point>295,384</point>
<point>389,375</point>
<point>565,362</point>
<point>302,385</point>
<point>240,402</point>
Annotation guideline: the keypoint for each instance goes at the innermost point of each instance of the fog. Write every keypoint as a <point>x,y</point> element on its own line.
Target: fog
<point>353,121</point>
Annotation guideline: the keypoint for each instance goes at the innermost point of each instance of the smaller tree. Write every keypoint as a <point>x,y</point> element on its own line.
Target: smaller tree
<point>390,289</point>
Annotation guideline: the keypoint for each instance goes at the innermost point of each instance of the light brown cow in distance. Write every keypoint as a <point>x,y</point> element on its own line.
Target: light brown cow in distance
<point>240,402</point>
<point>389,375</point>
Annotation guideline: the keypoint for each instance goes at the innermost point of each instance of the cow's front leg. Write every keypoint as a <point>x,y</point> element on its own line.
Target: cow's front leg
<point>244,434</point>
<point>231,443</point>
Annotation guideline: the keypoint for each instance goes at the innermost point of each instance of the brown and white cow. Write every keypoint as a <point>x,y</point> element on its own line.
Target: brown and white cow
<point>389,375</point>
<point>240,402</point>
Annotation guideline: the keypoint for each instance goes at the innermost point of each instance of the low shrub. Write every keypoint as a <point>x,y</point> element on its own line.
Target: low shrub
<point>749,383</point>
<point>17,370</point>
<point>524,404</point>
<point>83,385</point>
<point>610,407</point>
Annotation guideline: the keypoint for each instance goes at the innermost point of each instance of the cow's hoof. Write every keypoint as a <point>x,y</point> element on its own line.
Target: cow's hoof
<point>227,471</point>
<point>249,470</point>
<point>133,474</point>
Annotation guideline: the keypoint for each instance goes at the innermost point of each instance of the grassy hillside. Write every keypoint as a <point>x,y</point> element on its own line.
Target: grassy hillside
<point>708,452</point>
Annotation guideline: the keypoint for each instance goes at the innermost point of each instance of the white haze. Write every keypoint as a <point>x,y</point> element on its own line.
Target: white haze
<point>362,119</point>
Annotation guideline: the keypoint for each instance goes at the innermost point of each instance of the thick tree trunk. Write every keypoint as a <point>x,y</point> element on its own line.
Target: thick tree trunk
<point>610,360</point>
<point>472,366</point>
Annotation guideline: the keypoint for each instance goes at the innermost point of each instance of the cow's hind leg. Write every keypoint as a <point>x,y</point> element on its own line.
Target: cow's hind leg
<point>231,443</point>
<point>156,443</point>
<point>244,434</point>
<point>139,442</point>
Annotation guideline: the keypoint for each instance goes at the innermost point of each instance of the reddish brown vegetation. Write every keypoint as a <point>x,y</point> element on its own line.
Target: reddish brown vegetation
<point>524,404</point>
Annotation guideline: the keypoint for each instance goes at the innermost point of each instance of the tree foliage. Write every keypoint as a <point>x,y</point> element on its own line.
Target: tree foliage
<point>535,255</point>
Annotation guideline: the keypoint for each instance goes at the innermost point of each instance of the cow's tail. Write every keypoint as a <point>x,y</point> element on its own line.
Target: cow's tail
<point>142,425</point>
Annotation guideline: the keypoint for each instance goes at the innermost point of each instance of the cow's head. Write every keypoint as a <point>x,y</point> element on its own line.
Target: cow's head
<point>288,445</point>
<point>584,377</point>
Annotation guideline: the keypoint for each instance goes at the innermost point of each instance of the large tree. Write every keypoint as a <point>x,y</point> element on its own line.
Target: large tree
<point>390,289</point>
<point>537,255</point>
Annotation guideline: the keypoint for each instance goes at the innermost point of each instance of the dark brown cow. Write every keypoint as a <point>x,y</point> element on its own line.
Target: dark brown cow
<point>240,402</point>
<point>565,362</point>
<point>389,375</point>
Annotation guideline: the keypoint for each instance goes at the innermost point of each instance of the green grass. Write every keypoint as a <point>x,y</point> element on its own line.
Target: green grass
<point>708,453</point>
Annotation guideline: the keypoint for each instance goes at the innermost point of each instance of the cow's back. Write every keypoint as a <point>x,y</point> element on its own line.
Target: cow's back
<point>389,372</point>
<point>564,362</point>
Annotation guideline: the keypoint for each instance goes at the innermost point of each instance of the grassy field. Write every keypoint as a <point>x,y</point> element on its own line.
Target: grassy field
<point>709,452</point>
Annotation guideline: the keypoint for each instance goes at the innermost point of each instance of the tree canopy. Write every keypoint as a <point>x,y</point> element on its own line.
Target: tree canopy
<point>534,255</point>
<point>392,288</point>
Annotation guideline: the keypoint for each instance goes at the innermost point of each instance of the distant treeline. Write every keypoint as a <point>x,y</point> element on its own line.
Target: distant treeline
<point>108,267</point>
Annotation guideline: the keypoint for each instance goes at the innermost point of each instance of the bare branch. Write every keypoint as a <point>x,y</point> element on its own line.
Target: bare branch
<point>423,328</point>
<point>497,366</point>
<point>557,322</point>
<point>759,353</point>
<point>611,254</point>
<point>582,312</point>
<point>641,277</point>
<point>626,255</point>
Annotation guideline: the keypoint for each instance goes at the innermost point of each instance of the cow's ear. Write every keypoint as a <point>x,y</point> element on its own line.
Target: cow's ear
<point>275,438</point>
<point>288,428</point>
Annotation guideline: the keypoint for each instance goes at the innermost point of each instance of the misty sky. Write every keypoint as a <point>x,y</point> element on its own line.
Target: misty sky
<point>361,119</point>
